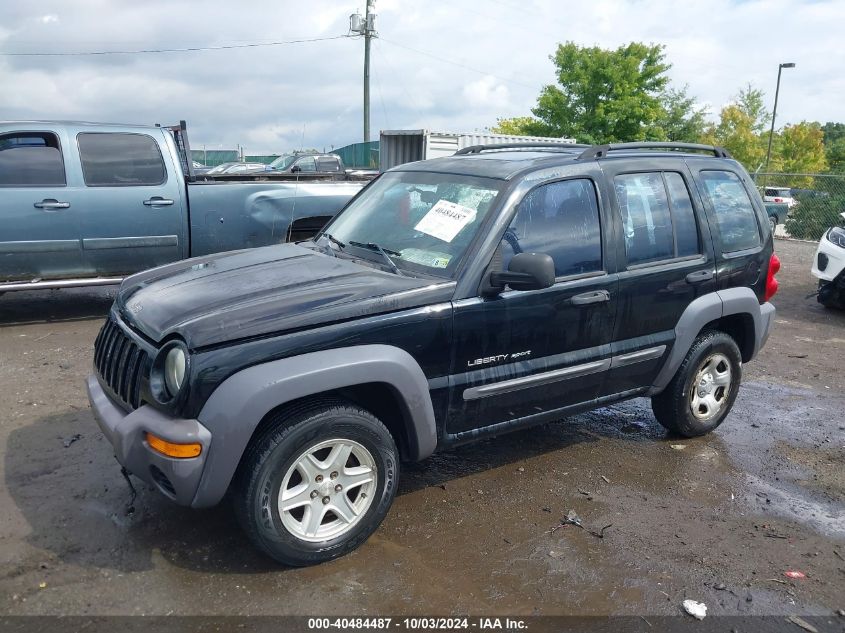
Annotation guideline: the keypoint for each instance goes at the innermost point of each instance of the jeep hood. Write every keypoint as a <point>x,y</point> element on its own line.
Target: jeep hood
<point>240,294</point>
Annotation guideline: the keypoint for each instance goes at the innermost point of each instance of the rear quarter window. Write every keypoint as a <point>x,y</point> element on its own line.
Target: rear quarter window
<point>735,215</point>
<point>120,160</point>
<point>31,159</point>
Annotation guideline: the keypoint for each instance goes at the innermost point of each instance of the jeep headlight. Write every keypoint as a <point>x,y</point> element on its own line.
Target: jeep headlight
<point>175,364</point>
<point>169,372</point>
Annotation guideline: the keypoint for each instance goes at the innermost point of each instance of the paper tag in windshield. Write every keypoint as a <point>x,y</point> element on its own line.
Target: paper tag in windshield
<point>445,220</point>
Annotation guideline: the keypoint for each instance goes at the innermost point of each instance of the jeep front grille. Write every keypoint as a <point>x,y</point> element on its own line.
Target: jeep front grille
<point>120,363</point>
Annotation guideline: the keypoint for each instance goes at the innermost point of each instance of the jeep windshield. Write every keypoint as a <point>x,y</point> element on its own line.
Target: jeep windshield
<point>425,221</point>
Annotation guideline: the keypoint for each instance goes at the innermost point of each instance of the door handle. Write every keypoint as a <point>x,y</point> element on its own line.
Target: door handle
<point>586,298</point>
<point>51,204</point>
<point>699,276</point>
<point>158,201</point>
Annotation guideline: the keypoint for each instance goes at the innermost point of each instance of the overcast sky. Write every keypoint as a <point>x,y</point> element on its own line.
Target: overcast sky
<point>452,66</point>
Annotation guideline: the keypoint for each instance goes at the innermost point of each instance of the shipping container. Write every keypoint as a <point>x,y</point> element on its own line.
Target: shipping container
<point>405,146</point>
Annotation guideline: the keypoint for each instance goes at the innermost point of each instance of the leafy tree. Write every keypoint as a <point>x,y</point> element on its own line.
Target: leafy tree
<point>520,126</point>
<point>799,149</point>
<point>681,120</point>
<point>602,95</point>
<point>750,101</point>
<point>735,131</point>
<point>834,146</point>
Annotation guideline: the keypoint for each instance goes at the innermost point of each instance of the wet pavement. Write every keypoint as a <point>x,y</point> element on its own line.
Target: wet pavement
<point>718,519</point>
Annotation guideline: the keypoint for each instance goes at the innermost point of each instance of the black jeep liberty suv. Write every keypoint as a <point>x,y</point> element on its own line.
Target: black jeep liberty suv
<point>452,299</point>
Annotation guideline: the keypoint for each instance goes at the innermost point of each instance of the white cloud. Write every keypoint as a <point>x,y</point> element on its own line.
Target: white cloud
<point>452,66</point>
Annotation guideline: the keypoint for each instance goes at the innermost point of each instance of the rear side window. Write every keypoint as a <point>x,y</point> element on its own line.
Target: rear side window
<point>328,164</point>
<point>31,159</point>
<point>646,221</point>
<point>658,219</point>
<point>307,164</point>
<point>735,214</point>
<point>120,160</point>
<point>560,219</point>
<point>686,230</point>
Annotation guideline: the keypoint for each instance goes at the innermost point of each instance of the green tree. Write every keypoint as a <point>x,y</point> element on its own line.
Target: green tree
<point>799,149</point>
<point>750,101</point>
<point>603,96</point>
<point>521,126</point>
<point>735,131</point>
<point>681,119</point>
<point>834,146</point>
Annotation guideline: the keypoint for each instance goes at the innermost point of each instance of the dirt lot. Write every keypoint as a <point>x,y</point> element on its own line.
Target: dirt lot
<point>718,519</point>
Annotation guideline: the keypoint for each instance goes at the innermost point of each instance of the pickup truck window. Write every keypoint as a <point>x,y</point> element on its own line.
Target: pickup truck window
<point>328,163</point>
<point>424,220</point>
<point>306,164</point>
<point>120,160</point>
<point>560,219</point>
<point>735,215</point>
<point>31,159</point>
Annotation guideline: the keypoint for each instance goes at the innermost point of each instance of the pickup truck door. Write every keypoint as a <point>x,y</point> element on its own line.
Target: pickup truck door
<point>39,206</point>
<point>133,216</point>
<point>524,356</point>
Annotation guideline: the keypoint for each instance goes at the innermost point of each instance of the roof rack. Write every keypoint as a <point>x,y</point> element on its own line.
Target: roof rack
<point>477,149</point>
<point>601,151</point>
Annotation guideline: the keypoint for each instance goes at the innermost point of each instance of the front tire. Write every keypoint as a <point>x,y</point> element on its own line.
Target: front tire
<point>316,482</point>
<point>704,389</point>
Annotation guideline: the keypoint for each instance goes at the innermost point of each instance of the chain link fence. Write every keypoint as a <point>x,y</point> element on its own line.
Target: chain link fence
<point>814,200</point>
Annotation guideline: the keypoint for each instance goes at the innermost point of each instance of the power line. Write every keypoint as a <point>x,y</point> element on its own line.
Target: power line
<point>453,63</point>
<point>177,50</point>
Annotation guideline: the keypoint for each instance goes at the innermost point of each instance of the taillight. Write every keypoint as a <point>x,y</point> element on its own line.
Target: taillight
<point>778,199</point>
<point>771,282</point>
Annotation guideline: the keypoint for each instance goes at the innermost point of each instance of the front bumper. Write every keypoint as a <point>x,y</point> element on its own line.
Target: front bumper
<point>832,260</point>
<point>177,479</point>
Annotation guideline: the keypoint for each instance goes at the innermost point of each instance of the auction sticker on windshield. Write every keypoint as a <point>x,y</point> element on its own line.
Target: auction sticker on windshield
<point>445,220</point>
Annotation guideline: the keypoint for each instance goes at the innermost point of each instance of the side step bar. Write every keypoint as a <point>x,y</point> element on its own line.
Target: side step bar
<point>58,283</point>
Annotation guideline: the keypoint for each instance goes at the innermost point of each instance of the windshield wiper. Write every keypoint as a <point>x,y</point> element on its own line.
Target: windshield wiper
<point>334,240</point>
<point>384,253</point>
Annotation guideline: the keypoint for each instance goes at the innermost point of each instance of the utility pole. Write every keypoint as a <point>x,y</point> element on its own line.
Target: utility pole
<point>367,28</point>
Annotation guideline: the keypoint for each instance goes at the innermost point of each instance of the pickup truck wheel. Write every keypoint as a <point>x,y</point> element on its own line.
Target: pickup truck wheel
<point>704,389</point>
<point>316,483</point>
<point>773,222</point>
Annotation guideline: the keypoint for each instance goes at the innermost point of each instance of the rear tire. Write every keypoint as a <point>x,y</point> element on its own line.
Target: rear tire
<point>704,389</point>
<point>773,223</point>
<point>316,482</point>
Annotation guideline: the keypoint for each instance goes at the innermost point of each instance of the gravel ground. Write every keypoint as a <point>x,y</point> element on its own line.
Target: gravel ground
<point>718,519</point>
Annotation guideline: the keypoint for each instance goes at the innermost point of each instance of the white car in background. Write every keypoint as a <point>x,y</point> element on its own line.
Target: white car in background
<point>829,267</point>
<point>779,194</point>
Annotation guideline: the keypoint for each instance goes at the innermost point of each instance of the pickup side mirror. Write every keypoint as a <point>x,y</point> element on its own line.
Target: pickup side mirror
<point>295,169</point>
<point>526,271</point>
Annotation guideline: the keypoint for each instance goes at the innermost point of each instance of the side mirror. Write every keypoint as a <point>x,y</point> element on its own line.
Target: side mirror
<point>526,271</point>
<point>295,169</point>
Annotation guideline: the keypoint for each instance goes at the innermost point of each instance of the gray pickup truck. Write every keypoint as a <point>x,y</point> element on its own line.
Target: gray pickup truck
<point>87,204</point>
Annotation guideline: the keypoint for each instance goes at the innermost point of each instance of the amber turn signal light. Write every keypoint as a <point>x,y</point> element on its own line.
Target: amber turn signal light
<point>173,450</point>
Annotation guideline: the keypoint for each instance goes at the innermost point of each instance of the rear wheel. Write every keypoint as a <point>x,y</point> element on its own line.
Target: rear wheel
<point>704,389</point>
<point>316,483</point>
<point>773,223</point>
